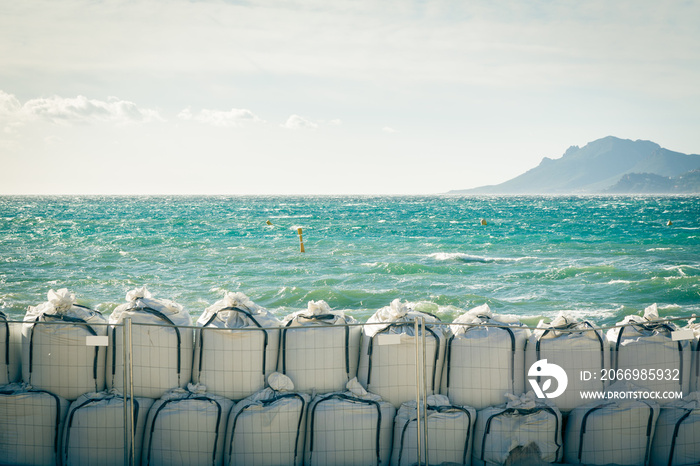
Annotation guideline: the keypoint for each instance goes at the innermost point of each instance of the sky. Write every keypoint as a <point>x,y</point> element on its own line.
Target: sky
<point>331,97</point>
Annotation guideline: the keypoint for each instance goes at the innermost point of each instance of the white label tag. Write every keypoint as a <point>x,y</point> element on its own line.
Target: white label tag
<point>99,340</point>
<point>684,334</point>
<point>388,339</point>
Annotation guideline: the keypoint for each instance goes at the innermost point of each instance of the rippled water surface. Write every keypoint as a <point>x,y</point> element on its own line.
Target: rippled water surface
<point>599,257</point>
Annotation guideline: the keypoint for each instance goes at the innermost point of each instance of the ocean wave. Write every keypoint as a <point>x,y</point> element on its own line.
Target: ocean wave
<point>462,257</point>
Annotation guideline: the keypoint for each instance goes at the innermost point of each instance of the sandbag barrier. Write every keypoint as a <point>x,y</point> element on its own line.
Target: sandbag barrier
<point>679,358</point>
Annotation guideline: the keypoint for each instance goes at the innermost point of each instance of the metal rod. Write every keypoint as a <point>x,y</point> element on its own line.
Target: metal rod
<point>425,394</point>
<point>131,393</point>
<point>127,456</point>
<point>416,339</point>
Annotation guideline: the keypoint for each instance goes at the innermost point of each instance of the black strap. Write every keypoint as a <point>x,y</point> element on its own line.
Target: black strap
<point>247,314</point>
<point>650,428</point>
<point>322,319</point>
<point>442,409</point>
<point>3,317</point>
<point>526,412</point>
<point>267,403</point>
<point>583,428</point>
<point>567,327</point>
<point>58,414</point>
<point>388,326</point>
<point>651,327</point>
<point>675,435</point>
<point>191,397</point>
<point>351,399</point>
<point>162,316</point>
<point>70,320</point>
<point>512,354</point>
<point>69,421</point>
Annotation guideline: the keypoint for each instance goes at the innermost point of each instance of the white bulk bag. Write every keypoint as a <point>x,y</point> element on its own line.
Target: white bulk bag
<point>236,349</point>
<point>267,428</point>
<point>388,353</point>
<point>646,343</point>
<point>580,349</point>
<point>94,430</point>
<point>186,427</point>
<point>450,433</point>
<point>618,430</point>
<point>30,425</point>
<point>10,351</point>
<point>56,355</point>
<point>523,420</point>
<point>349,428</point>
<point>162,350</point>
<point>319,348</point>
<point>485,358</point>
<point>677,435</point>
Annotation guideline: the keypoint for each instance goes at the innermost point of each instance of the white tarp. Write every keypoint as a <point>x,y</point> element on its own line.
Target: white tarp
<point>646,344</point>
<point>268,428</point>
<point>30,425</point>
<point>162,350</point>
<point>186,427</point>
<point>485,358</point>
<point>613,431</point>
<point>94,430</point>
<point>450,433</point>
<point>10,350</point>
<point>349,428</point>
<point>319,348</point>
<point>677,435</point>
<point>578,348</point>
<point>55,353</point>
<point>237,348</point>
<point>522,421</point>
<point>388,353</point>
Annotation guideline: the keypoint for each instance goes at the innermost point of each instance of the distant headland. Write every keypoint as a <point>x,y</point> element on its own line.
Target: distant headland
<point>606,166</point>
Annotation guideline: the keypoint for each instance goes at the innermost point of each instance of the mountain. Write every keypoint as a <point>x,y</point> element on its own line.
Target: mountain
<point>597,167</point>
<point>650,183</point>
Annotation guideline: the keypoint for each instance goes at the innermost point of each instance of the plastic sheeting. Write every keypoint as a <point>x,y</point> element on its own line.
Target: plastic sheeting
<point>388,354</point>
<point>349,428</point>
<point>55,353</point>
<point>319,348</point>
<point>186,427</point>
<point>162,350</point>
<point>30,425</point>
<point>268,428</point>
<point>94,430</point>
<point>238,347</point>
<point>450,433</point>
<point>485,358</point>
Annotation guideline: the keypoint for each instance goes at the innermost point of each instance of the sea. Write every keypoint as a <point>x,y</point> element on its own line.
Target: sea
<point>593,257</point>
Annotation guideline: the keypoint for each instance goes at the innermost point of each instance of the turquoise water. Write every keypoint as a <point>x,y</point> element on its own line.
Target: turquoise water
<point>598,257</point>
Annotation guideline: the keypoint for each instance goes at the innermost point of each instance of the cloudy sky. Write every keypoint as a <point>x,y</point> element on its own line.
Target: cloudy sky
<point>331,97</point>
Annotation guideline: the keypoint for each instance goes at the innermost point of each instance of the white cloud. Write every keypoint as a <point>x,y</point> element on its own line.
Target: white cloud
<point>297,122</point>
<point>389,129</point>
<point>78,109</point>
<point>231,118</point>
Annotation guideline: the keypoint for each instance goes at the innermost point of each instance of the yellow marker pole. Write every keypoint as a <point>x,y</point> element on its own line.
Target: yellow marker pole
<point>301,240</point>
